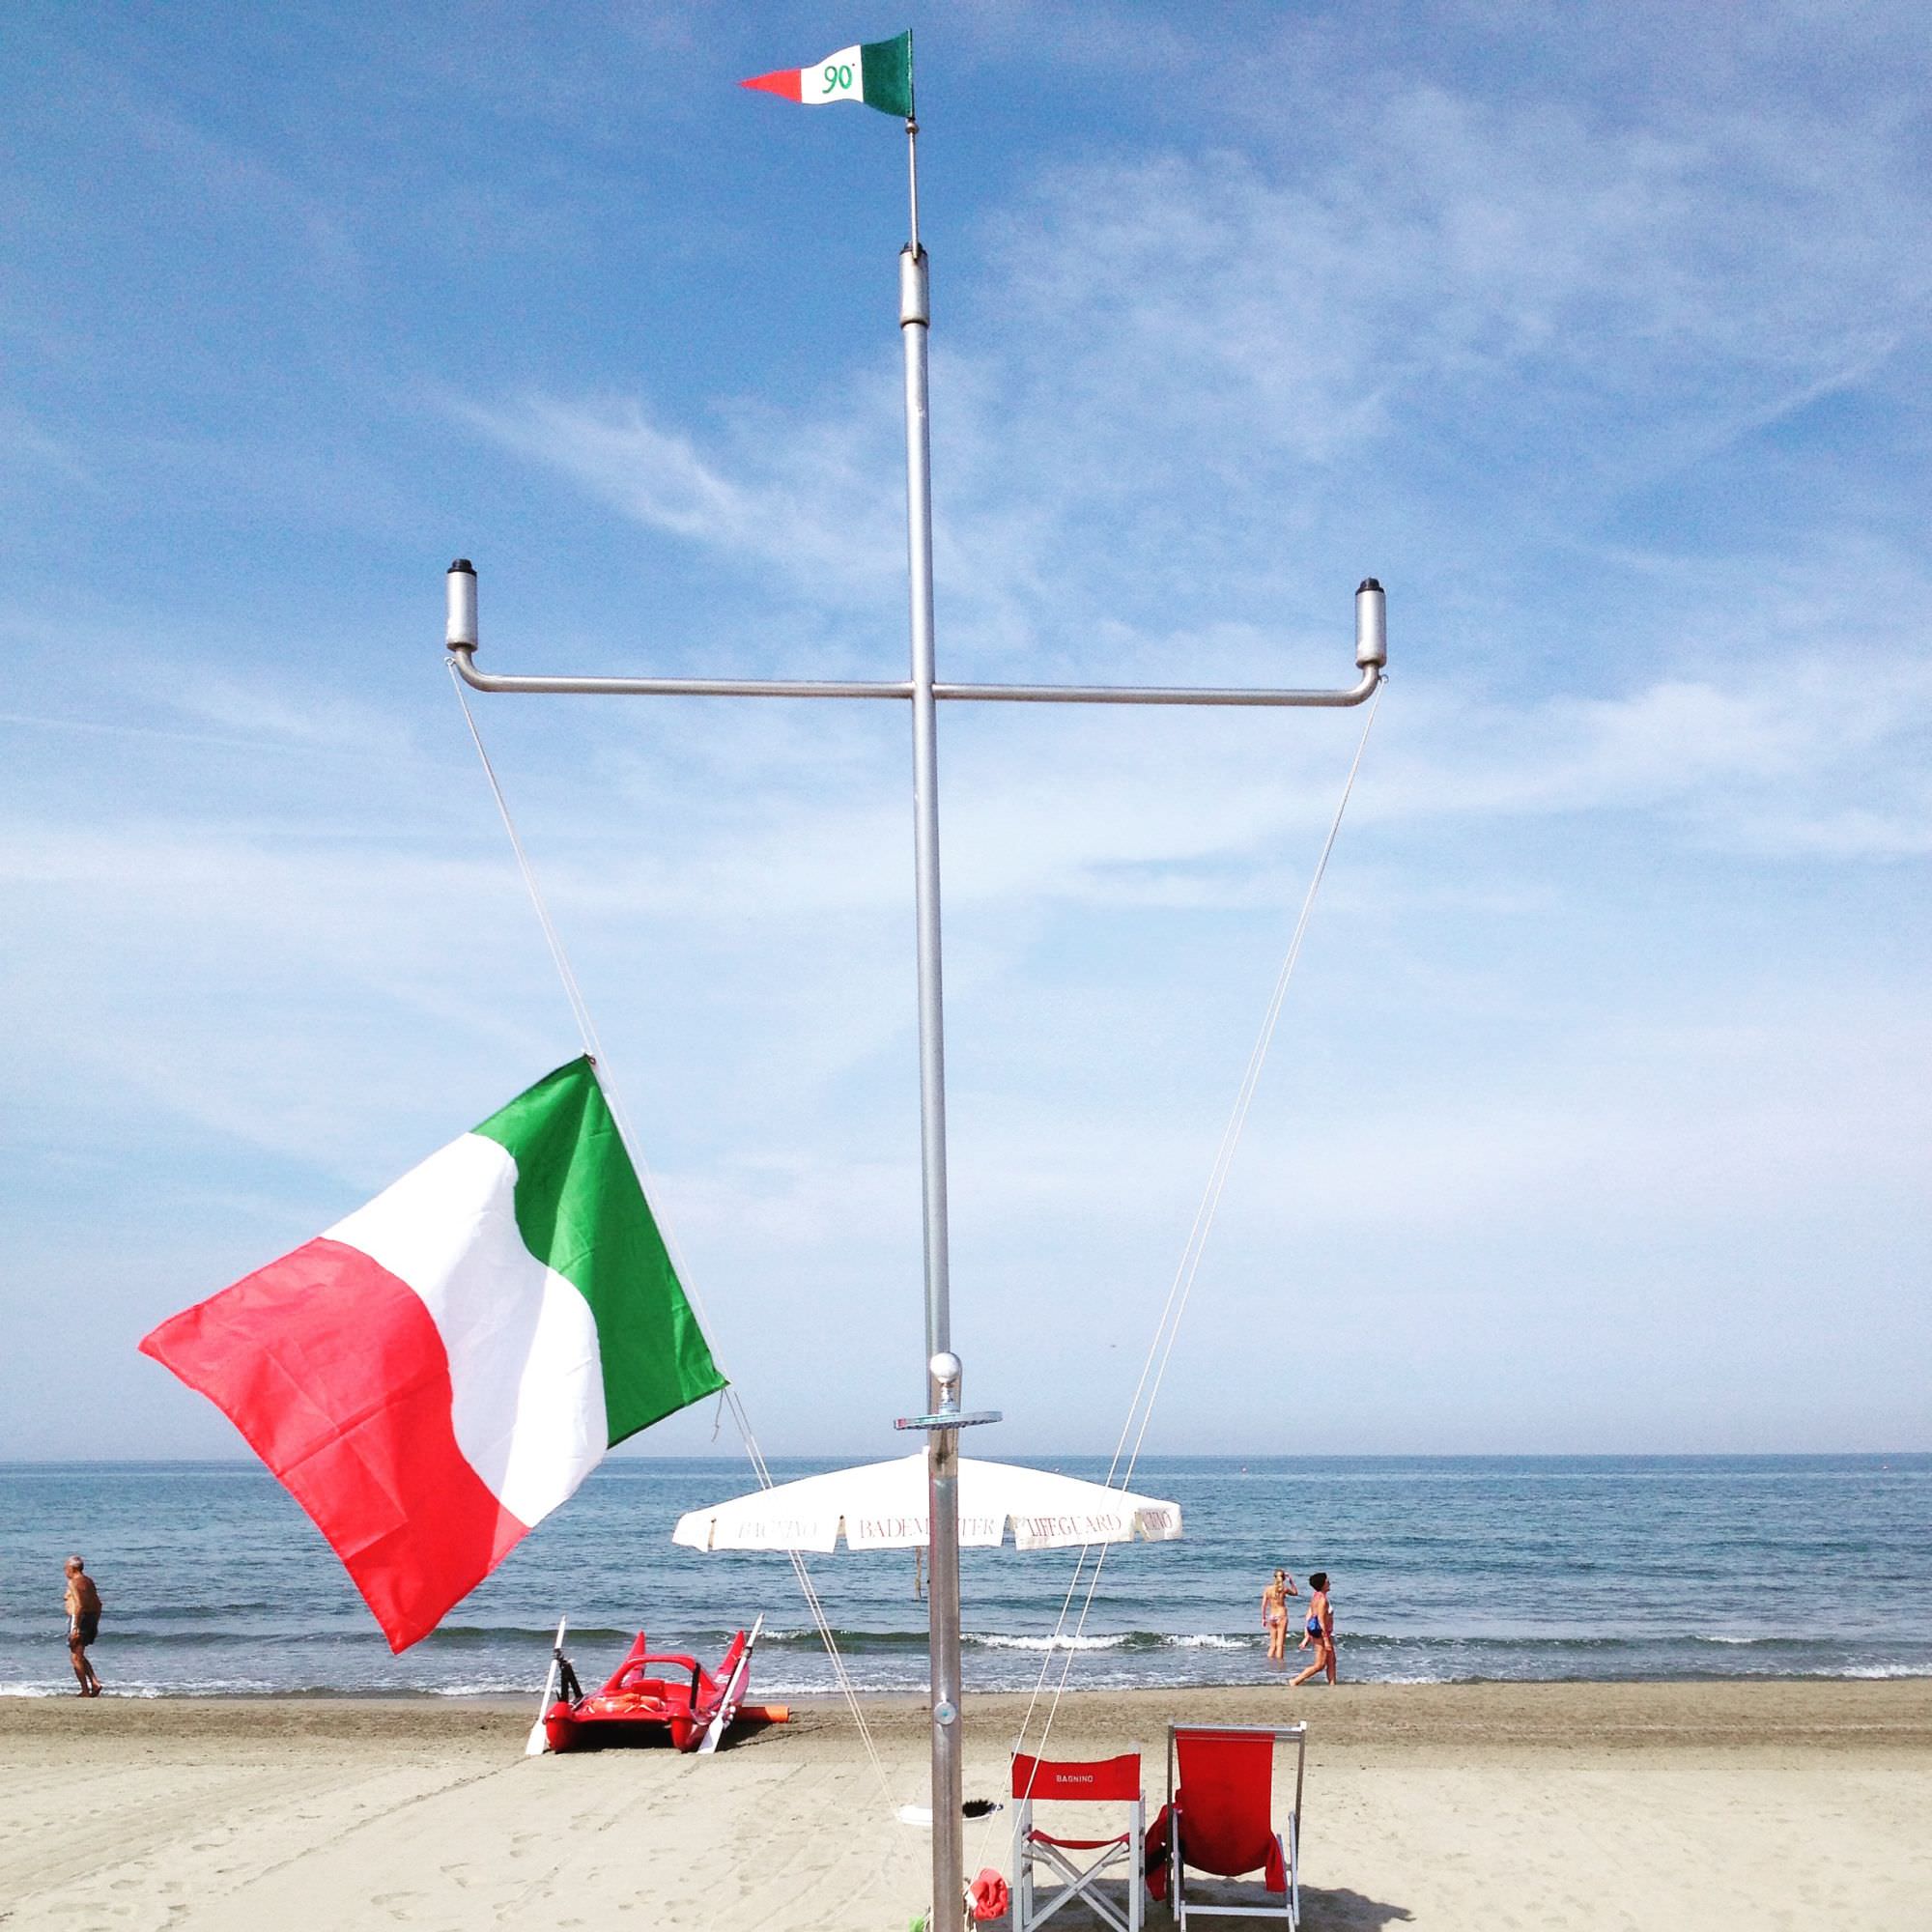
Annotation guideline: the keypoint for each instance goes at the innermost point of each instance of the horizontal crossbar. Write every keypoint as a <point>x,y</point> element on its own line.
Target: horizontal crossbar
<point>1157,694</point>
<point>666,687</point>
<point>979,694</point>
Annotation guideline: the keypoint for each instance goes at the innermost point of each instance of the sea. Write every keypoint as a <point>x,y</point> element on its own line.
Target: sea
<point>1443,1569</point>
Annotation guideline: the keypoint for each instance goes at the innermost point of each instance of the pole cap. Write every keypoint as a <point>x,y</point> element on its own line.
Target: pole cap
<point>1371,626</point>
<point>460,587</point>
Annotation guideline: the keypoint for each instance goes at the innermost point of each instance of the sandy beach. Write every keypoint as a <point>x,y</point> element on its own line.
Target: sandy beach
<point>1433,1805</point>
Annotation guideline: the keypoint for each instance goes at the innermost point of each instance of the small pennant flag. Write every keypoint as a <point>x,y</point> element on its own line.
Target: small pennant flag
<point>878,73</point>
<point>434,1374</point>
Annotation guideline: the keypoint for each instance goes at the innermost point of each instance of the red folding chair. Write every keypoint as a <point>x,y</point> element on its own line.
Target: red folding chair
<point>1112,1781</point>
<point>1219,1818</point>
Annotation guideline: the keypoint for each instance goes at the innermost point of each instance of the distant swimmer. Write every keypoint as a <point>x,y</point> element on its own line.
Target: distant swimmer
<point>1319,1629</point>
<point>1274,1613</point>
<point>83,1624</point>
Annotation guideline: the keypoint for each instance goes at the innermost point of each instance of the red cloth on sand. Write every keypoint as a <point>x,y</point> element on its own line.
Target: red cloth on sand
<point>1213,1856</point>
<point>990,1896</point>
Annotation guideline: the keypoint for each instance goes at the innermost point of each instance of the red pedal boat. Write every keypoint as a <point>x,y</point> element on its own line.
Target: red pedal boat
<point>657,1694</point>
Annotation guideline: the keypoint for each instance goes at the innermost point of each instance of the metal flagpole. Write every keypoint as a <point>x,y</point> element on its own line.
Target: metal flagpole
<point>944,1417</point>
<point>942,1442</point>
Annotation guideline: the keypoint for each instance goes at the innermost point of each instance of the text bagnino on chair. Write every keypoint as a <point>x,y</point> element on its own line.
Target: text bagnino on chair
<point>1113,1780</point>
<point>1219,1818</point>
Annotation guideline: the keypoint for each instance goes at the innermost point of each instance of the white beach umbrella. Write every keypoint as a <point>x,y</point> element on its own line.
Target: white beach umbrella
<point>882,1506</point>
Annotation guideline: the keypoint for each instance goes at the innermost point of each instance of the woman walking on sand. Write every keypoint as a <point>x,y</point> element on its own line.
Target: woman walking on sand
<point>1320,1628</point>
<point>1274,1613</point>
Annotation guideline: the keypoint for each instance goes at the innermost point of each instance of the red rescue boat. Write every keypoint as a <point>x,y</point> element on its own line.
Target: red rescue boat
<point>655,1695</point>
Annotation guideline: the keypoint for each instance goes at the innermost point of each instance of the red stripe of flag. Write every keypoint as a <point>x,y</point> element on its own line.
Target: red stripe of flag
<point>337,1374</point>
<point>786,83</point>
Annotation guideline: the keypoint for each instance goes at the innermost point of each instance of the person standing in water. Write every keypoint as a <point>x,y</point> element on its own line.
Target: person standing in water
<point>1320,1628</point>
<point>1274,1613</point>
<point>83,1624</point>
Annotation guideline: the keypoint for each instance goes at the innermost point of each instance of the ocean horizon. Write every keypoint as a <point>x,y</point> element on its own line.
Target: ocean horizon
<point>1444,1568</point>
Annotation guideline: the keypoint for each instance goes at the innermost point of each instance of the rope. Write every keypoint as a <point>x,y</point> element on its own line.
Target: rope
<point>579,1012</point>
<point>1160,1349</point>
<point>1238,1120</point>
<point>588,1032</point>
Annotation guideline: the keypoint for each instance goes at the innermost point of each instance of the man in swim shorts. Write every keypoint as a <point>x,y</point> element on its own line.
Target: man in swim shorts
<point>83,1624</point>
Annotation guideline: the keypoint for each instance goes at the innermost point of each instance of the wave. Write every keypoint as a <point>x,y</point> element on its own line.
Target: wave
<point>1062,1642</point>
<point>862,1641</point>
<point>849,1640</point>
<point>22,1689</point>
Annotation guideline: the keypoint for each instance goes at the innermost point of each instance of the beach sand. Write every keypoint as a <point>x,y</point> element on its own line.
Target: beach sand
<point>1696,1805</point>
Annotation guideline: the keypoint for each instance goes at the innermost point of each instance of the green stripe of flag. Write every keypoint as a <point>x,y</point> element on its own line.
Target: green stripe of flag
<point>887,68</point>
<point>581,1211</point>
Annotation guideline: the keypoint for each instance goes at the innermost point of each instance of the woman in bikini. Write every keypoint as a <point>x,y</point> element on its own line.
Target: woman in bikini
<point>1274,1613</point>
<point>1320,1628</point>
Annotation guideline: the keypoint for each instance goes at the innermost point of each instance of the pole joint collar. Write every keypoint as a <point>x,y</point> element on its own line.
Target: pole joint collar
<point>915,300</point>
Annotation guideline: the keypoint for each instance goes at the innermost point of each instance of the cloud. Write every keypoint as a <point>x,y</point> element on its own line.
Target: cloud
<point>812,497</point>
<point>33,453</point>
<point>208,176</point>
<point>1762,764</point>
<point>1492,295</point>
<point>268,710</point>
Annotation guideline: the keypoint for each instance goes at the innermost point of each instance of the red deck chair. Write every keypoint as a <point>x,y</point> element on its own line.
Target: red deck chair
<point>1219,1818</point>
<point>1112,1781</point>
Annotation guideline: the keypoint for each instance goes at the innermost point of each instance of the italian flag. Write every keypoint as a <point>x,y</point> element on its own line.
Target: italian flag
<point>434,1375</point>
<point>878,73</point>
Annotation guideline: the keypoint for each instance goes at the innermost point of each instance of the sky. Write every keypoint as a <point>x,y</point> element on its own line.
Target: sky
<point>1596,1119</point>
